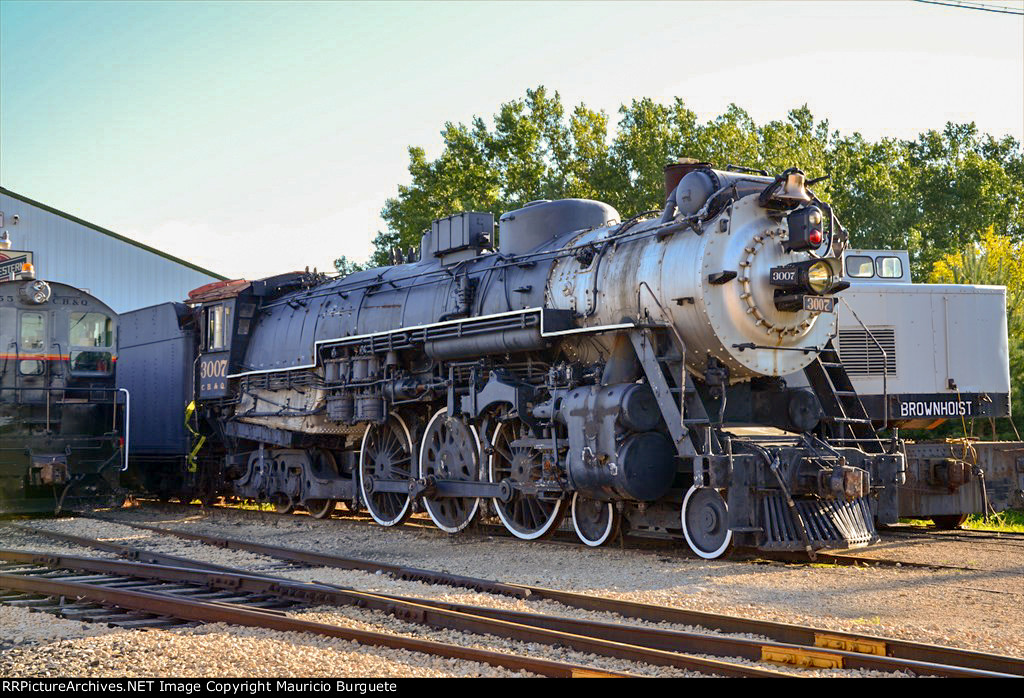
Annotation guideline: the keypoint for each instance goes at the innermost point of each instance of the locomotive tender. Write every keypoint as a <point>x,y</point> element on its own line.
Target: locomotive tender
<point>587,366</point>
<point>60,426</point>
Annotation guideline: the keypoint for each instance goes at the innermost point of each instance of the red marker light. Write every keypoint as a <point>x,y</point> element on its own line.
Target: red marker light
<point>815,237</point>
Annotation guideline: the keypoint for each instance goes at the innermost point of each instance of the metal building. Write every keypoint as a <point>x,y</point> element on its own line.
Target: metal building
<point>121,272</point>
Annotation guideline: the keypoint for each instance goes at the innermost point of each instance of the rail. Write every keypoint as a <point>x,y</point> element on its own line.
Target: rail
<point>778,632</point>
<point>167,604</point>
<point>629,642</point>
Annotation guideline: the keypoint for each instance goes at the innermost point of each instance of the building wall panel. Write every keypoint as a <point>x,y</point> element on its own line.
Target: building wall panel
<point>124,274</point>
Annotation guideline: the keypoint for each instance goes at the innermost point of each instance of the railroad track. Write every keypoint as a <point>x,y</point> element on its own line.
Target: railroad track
<point>963,534</point>
<point>658,545</point>
<point>133,592</point>
<point>140,596</point>
<point>93,609</point>
<point>787,644</point>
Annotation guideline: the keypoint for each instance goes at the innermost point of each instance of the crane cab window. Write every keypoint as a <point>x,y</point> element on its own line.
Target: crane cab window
<point>889,267</point>
<point>218,324</point>
<point>861,266</point>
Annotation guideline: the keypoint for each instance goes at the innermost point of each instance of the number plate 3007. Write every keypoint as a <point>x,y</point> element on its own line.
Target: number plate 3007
<point>819,304</point>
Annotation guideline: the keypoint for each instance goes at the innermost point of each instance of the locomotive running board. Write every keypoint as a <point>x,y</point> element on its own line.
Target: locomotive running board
<point>552,323</point>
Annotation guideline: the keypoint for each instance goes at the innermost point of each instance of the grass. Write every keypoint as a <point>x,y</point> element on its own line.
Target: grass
<point>246,504</point>
<point>1010,521</point>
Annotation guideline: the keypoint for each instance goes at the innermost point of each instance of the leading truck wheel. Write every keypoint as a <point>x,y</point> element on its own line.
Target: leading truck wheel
<point>595,522</point>
<point>705,517</point>
<point>386,454</point>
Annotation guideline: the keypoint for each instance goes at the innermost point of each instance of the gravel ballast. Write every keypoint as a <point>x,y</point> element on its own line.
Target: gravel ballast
<point>976,609</point>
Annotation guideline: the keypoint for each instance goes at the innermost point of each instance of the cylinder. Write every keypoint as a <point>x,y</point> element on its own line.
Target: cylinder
<point>331,372</point>
<point>643,470</point>
<point>638,410</point>
<point>714,285</point>
<point>341,407</point>
<point>677,170</point>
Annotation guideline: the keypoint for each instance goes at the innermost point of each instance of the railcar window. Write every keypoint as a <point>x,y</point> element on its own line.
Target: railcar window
<point>31,368</point>
<point>33,332</point>
<point>91,330</point>
<point>860,267</point>
<point>889,267</point>
<point>91,362</point>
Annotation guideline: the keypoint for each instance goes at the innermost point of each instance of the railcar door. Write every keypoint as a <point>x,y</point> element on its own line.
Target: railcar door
<point>33,361</point>
<point>90,343</point>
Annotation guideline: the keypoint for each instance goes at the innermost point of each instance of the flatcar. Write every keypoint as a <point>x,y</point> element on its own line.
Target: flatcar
<point>584,366</point>
<point>61,424</point>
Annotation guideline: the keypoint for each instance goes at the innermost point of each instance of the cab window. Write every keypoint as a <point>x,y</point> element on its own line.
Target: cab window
<point>91,330</point>
<point>860,267</point>
<point>889,267</point>
<point>91,361</point>
<point>218,323</point>
<point>33,332</point>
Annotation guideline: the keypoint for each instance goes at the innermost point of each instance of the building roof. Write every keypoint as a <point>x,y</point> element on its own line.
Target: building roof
<point>110,233</point>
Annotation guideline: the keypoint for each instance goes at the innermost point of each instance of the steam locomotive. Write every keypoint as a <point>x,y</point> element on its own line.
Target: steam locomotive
<point>60,423</point>
<point>616,371</point>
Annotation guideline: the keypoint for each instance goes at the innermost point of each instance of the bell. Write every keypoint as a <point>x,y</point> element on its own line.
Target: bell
<point>794,189</point>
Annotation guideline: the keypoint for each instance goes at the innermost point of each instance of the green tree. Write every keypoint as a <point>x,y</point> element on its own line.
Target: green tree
<point>995,260</point>
<point>345,266</point>
<point>524,157</point>
<point>932,195</point>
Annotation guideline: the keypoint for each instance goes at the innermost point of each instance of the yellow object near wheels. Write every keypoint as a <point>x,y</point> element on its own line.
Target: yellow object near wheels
<point>190,458</point>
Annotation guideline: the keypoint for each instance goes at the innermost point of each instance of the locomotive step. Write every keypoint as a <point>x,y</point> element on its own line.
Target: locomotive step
<point>847,420</point>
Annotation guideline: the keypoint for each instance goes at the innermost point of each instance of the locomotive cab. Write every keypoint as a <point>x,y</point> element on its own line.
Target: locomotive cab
<point>60,419</point>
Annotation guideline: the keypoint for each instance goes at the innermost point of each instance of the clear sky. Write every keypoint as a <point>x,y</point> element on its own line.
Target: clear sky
<point>258,137</point>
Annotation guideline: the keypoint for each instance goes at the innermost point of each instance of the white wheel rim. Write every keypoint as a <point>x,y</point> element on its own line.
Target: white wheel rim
<point>509,525</point>
<point>686,531</point>
<point>607,531</point>
<point>362,469</point>
<point>426,502</point>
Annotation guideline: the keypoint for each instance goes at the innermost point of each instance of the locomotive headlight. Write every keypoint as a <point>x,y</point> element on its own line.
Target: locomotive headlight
<point>819,276</point>
<point>812,278</point>
<point>37,292</point>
